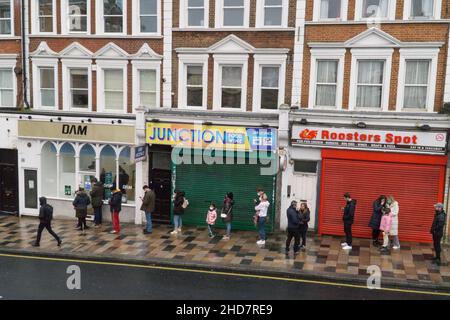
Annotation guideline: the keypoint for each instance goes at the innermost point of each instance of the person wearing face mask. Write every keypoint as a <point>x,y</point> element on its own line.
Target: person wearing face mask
<point>211,218</point>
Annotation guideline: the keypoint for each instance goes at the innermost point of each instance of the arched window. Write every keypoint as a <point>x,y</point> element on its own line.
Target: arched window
<point>108,169</point>
<point>87,166</point>
<point>67,171</point>
<point>48,174</point>
<point>127,174</point>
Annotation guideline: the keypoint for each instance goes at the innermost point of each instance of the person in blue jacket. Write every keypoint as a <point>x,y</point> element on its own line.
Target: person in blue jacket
<point>293,229</point>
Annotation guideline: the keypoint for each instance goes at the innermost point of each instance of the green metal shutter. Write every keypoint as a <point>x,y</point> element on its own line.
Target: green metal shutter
<point>204,184</point>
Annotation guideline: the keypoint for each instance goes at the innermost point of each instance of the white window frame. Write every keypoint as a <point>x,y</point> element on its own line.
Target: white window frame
<point>260,14</point>
<point>108,64</point>
<point>136,14</point>
<point>11,3</point>
<point>371,54</point>
<point>268,60</point>
<point>220,15</point>
<point>437,11</point>
<point>344,11</point>
<point>221,60</point>
<point>37,65</point>
<point>389,16</point>
<point>65,19</point>
<point>326,54</point>
<point>146,65</point>
<point>10,64</point>
<point>100,21</point>
<point>68,64</point>
<point>35,25</point>
<point>184,15</point>
<point>430,54</point>
<point>184,61</point>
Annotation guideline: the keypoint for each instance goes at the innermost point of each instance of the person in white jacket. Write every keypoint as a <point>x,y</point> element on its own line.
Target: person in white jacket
<point>393,205</point>
<point>262,209</point>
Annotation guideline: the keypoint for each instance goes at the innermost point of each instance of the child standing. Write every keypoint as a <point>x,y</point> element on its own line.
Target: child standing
<point>211,219</point>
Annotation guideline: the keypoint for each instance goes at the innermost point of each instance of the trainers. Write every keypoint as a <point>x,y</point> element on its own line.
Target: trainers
<point>225,237</point>
<point>59,242</point>
<point>113,232</point>
<point>261,242</point>
<point>343,244</point>
<point>179,230</point>
<point>174,232</point>
<point>396,247</point>
<point>347,247</point>
<point>211,236</point>
<point>303,248</point>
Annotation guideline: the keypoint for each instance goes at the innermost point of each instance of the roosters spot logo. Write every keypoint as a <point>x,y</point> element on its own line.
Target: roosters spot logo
<point>308,134</point>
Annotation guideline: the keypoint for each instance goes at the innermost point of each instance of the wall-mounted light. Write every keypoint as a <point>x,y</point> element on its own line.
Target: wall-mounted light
<point>29,144</point>
<point>59,119</point>
<point>119,121</point>
<point>112,122</point>
<point>425,127</point>
<point>30,117</point>
<point>89,120</point>
<point>361,125</point>
<point>82,121</point>
<point>154,120</point>
<point>303,121</point>
<point>207,123</point>
<point>51,120</point>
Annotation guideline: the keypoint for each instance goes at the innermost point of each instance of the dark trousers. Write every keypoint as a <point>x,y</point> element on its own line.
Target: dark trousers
<point>303,229</point>
<point>348,233</point>
<point>376,234</point>
<point>293,233</point>
<point>82,223</point>
<point>98,215</point>
<point>437,244</point>
<point>48,226</point>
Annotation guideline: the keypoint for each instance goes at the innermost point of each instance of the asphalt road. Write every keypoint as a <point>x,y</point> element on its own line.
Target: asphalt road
<point>39,278</point>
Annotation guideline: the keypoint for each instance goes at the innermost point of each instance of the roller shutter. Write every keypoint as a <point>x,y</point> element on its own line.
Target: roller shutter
<point>416,181</point>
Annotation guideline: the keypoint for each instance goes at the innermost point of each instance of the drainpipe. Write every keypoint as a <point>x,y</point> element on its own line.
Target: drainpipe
<point>24,61</point>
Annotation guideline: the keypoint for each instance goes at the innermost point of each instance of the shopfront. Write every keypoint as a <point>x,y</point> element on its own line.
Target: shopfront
<point>9,200</point>
<point>409,165</point>
<point>56,158</point>
<point>206,162</point>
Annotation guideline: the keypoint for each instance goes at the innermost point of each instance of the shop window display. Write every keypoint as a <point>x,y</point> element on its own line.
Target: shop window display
<point>49,174</point>
<point>67,179</point>
<point>127,174</point>
<point>107,169</point>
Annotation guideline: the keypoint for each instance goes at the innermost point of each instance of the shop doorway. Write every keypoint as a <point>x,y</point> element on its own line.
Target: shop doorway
<point>31,191</point>
<point>304,186</point>
<point>9,191</point>
<point>160,177</point>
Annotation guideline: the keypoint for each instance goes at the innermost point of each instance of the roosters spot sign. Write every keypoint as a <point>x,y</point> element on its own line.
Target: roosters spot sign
<point>397,141</point>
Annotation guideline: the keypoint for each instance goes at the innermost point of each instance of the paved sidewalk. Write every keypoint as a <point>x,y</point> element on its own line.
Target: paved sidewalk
<point>324,258</point>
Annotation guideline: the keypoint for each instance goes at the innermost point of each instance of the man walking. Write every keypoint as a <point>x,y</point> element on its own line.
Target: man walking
<point>148,206</point>
<point>348,218</point>
<point>437,230</point>
<point>45,220</point>
<point>293,230</point>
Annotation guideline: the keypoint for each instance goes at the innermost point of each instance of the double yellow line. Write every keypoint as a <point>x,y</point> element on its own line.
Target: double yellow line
<point>221,273</point>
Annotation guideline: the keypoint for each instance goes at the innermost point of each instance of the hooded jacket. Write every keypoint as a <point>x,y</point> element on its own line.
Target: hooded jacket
<point>81,201</point>
<point>115,203</point>
<point>349,212</point>
<point>45,211</point>
<point>437,228</point>
<point>305,216</point>
<point>97,195</point>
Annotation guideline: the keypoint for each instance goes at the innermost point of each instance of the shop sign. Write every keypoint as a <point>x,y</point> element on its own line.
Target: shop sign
<point>386,140</point>
<point>214,137</point>
<point>140,153</point>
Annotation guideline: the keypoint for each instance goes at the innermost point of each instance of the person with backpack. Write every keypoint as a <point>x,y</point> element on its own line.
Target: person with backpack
<point>80,204</point>
<point>45,221</point>
<point>115,206</point>
<point>97,201</point>
<point>180,203</point>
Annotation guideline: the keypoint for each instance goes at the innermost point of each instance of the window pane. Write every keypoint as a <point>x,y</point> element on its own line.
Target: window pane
<point>327,71</point>
<point>369,96</point>
<point>47,78</point>
<point>113,7</point>
<point>415,97</point>
<point>149,24</point>
<point>233,3</point>
<point>196,3</point>
<point>330,9</point>
<point>79,78</point>
<point>6,78</point>
<point>80,99</point>
<point>47,97</point>
<point>5,26</point>
<point>231,76</point>
<point>231,98</point>
<point>7,97</point>
<point>272,16</point>
<point>148,99</point>
<point>374,8</point>
<point>370,71</point>
<point>127,174</point>
<point>108,169</point>
<point>87,158</point>
<point>195,97</point>
<point>148,6</point>
<point>5,9</point>
<point>78,24</point>
<point>113,79</point>
<point>196,17</point>
<point>114,100</point>
<point>194,75</point>
<point>113,24</point>
<point>422,8</point>
<point>77,7</point>
<point>49,172</point>
<point>233,17</point>
<point>67,179</point>
<point>147,80</point>
<point>269,77</point>
<point>326,95</point>
<point>45,7</point>
<point>417,71</point>
<point>46,24</point>
<point>269,98</point>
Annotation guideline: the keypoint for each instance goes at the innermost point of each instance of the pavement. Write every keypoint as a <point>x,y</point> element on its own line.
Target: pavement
<point>324,260</point>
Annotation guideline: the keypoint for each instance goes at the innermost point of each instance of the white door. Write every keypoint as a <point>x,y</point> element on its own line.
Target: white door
<point>304,186</point>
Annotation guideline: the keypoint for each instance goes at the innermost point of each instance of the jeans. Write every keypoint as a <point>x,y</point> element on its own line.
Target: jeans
<point>303,230</point>
<point>228,224</point>
<point>116,222</point>
<point>261,230</point>
<point>98,215</point>
<point>48,226</point>
<point>177,221</point>
<point>148,217</point>
<point>211,229</point>
<point>396,242</point>
<point>437,244</point>
<point>348,233</point>
<point>293,233</point>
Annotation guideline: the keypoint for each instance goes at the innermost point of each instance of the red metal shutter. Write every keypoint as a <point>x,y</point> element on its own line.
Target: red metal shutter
<point>415,181</point>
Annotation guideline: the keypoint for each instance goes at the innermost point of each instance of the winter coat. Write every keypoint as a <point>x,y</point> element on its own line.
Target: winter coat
<point>394,214</point>
<point>386,223</point>
<point>262,209</point>
<point>178,204</point>
<point>293,218</point>
<point>80,204</point>
<point>349,212</point>
<point>437,228</point>
<point>115,203</point>
<point>211,217</point>
<point>148,203</point>
<point>45,211</point>
<point>97,195</point>
<point>305,216</point>
<point>227,209</point>
<point>375,220</point>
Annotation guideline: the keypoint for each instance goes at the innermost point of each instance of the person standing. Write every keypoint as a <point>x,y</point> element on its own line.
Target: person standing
<point>97,201</point>
<point>293,229</point>
<point>437,230</point>
<point>262,209</point>
<point>148,206</point>
<point>305,216</point>
<point>385,226</point>
<point>375,220</point>
<point>115,206</point>
<point>348,219</point>
<point>211,218</point>
<point>80,204</point>
<point>179,205</point>
<point>45,221</point>
<point>227,214</point>
<point>395,208</point>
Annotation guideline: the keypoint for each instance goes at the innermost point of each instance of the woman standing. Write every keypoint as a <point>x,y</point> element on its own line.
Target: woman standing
<point>178,210</point>
<point>393,205</point>
<point>227,214</point>
<point>375,220</point>
<point>80,204</point>
<point>304,215</point>
<point>262,209</point>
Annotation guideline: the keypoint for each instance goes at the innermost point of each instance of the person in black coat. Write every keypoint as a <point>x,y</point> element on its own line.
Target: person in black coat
<point>375,221</point>
<point>178,211</point>
<point>305,216</point>
<point>80,204</point>
<point>115,205</point>
<point>45,221</point>
<point>348,219</point>
<point>437,230</point>
<point>293,229</point>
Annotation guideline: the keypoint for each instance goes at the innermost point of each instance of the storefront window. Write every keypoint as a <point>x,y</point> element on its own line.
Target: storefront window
<point>108,169</point>
<point>67,179</point>
<point>87,166</point>
<point>49,174</point>
<point>127,174</point>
